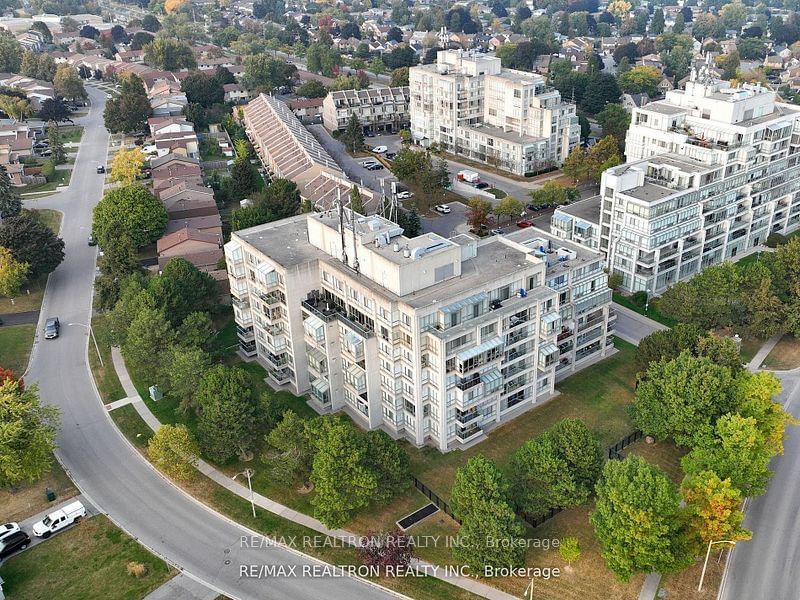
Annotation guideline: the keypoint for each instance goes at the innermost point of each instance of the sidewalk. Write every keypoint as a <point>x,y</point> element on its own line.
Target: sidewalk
<point>763,352</point>
<point>242,491</point>
<point>182,587</point>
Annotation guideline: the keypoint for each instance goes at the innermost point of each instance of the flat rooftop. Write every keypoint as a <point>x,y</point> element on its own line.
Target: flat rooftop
<point>499,133</point>
<point>685,164</point>
<point>649,192</point>
<point>285,242</point>
<point>586,210</point>
<point>665,108</point>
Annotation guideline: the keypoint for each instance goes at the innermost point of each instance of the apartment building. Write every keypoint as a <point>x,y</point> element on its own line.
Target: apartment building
<point>469,105</point>
<point>381,109</point>
<point>434,340</point>
<point>712,171</point>
<point>578,222</point>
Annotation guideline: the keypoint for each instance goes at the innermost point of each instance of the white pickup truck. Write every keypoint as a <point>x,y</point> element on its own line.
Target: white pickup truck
<point>58,519</point>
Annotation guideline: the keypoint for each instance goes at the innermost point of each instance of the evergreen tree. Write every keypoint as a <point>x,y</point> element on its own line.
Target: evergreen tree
<point>10,203</point>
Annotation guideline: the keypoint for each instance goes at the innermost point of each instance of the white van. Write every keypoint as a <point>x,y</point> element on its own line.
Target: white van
<point>57,520</point>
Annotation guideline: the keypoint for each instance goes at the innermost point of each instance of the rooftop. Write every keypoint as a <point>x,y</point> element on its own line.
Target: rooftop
<point>649,192</point>
<point>586,210</point>
<point>500,133</point>
<point>663,107</point>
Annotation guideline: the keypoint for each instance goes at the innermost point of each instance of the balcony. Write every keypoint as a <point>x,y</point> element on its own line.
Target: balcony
<point>245,333</point>
<point>516,320</point>
<point>279,376</point>
<point>466,417</point>
<point>241,303</point>
<point>588,351</point>
<point>277,361</point>
<point>248,348</point>
<point>469,433</point>
<point>590,323</point>
<point>320,308</point>
<point>362,330</point>
<point>515,337</point>
<point>513,385</point>
<point>269,299</point>
<point>468,382</point>
<point>516,353</point>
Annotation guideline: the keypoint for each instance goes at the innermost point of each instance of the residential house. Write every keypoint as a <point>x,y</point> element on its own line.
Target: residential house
<point>308,110</point>
<point>631,101</point>
<point>188,199</point>
<point>201,248</point>
<point>235,93</point>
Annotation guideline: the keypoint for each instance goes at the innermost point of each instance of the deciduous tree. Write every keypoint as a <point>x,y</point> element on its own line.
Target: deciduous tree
<point>32,242</point>
<point>68,84</point>
<point>182,289</point>
<point>173,450</point>
<point>637,519</point>
<point>127,166</point>
<point>181,368</point>
<point>169,54</point>
<point>130,210</point>
<point>148,336</point>
<point>27,435</point>
<point>713,509</point>
<point>509,207</point>
<point>13,274</point>
<point>479,212</point>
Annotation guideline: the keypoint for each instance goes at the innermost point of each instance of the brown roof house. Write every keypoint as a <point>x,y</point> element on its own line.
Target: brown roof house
<point>175,166</point>
<point>201,248</point>
<point>188,199</point>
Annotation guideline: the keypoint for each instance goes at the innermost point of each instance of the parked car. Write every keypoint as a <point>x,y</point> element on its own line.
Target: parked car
<point>482,185</point>
<point>379,149</point>
<point>91,240</point>
<point>525,223</point>
<point>442,208</point>
<point>57,520</point>
<point>45,152</point>
<point>404,194</point>
<point>51,328</point>
<point>375,167</point>
<point>390,155</point>
<point>369,134</point>
<point>368,163</point>
<point>497,232</point>
<point>19,540</point>
<point>6,529</point>
<point>101,169</point>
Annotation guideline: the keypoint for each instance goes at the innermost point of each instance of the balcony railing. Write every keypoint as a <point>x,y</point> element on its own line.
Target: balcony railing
<point>470,382</point>
<point>467,417</point>
<point>320,308</point>
<point>565,333</point>
<point>240,302</point>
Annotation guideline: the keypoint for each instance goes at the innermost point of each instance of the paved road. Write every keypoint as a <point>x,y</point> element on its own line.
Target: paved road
<point>20,318</point>
<point>632,327</point>
<point>767,565</point>
<point>104,466</point>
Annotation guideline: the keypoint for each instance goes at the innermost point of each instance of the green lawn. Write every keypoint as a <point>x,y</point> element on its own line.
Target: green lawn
<point>499,194</point>
<point>60,178</point>
<point>651,312</point>
<point>88,561</point>
<point>105,377</point>
<point>51,218</point>
<point>784,356</point>
<point>599,395</point>
<point>71,134</point>
<point>749,259</point>
<point>15,346</point>
<point>30,298</point>
<point>132,425</point>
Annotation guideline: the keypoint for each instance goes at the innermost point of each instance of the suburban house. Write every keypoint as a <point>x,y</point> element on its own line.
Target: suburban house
<point>201,248</point>
<point>188,199</point>
<point>235,93</point>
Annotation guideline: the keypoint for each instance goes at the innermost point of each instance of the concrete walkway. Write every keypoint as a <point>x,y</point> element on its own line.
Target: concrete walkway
<point>650,586</point>
<point>242,491</point>
<point>20,318</point>
<point>763,352</point>
<point>182,587</point>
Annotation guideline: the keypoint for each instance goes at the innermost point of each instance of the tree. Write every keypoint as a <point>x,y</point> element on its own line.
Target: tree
<point>282,198</point>
<point>708,299</point>
<point>8,375</point>
<point>509,207</point>
<point>169,54</point>
<point>394,34</point>
<point>243,178</point>
<point>173,450</point>
<point>263,73</point>
<point>356,202</point>
<point>576,165</point>
<point>479,498</point>
<point>13,274</point>
<point>570,550</point>
<point>42,28</point>
<point>386,549</point>
<point>478,213</point>
<point>712,509</point>
<point>17,109</point>
<point>32,242</point>
<point>10,52</point>
<point>202,89</point>
<point>59,155</point>
<point>755,399</point>
<point>637,519</point>
<point>291,448</point>
<point>353,136</point>
<point>89,32</point>
<point>128,112</point>
<point>499,10</point>
<point>737,451</point>
<point>130,210</point>
<point>602,156</point>
<point>182,289</point>
<point>140,39</point>
<point>401,56</point>
<point>681,398</point>
<point>118,34</point>
<point>657,22</point>
<point>312,89</point>
<point>148,336</point>
<point>764,312</point>
<point>182,367</point>
<point>27,435</point>
<point>10,203</point>
<point>601,89</point>
<point>343,482</point>
<point>174,6</point>
<point>734,15</point>
<point>119,261</point>
<point>751,48</point>
<point>197,331</point>
<point>127,166</point>
<point>68,84</point>
<point>346,82</point>
<point>666,344</point>
<point>640,79</point>
<point>53,109</point>
<point>615,121</point>
<point>230,416</point>
<point>399,77</point>
<point>729,63</point>
<point>679,24</point>
<point>389,462</point>
<point>553,193</point>
<point>151,23</point>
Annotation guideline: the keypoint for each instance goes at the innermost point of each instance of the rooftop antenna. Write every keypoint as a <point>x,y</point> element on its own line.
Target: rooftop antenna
<point>355,242</point>
<point>341,223</point>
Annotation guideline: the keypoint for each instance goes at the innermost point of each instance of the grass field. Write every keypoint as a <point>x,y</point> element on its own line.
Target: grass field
<point>784,356</point>
<point>27,499</point>
<point>60,178</point>
<point>105,377</point>
<point>651,312</point>
<point>71,134</point>
<point>15,346</point>
<point>87,561</point>
<point>51,218</point>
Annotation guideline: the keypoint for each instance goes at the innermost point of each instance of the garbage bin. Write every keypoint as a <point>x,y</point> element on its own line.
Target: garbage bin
<point>51,495</point>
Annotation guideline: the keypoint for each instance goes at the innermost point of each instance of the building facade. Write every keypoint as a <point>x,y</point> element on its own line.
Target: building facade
<point>434,340</point>
<point>382,109</point>
<point>469,105</point>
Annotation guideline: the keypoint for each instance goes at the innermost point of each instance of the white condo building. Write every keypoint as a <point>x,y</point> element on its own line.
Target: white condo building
<point>469,105</point>
<point>711,172</point>
<point>431,339</point>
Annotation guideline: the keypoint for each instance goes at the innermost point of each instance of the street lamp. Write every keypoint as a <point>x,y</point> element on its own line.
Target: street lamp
<point>647,299</point>
<point>248,473</point>
<point>91,332</point>
<point>705,564</point>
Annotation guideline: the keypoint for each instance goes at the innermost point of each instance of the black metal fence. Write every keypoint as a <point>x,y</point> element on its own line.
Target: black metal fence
<point>431,495</point>
<point>612,453</point>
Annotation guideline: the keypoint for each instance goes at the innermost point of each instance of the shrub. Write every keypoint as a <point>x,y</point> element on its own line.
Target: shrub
<point>775,239</point>
<point>639,298</point>
<point>49,169</point>
<point>137,569</point>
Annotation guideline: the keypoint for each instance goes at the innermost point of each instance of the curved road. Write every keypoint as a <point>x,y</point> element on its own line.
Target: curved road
<point>102,463</point>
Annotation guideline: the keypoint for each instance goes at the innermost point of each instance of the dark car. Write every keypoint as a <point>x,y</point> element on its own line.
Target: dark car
<point>18,540</point>
<point>101,169</point>
<point>376,167</point>
<point>91,241</point>
<point>390,155</point>
<point>51,327</point>
<point>482,185</point>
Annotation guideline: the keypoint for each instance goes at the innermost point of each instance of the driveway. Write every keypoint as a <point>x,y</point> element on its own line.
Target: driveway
<point>21,318</point>
<point>101,462</point>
